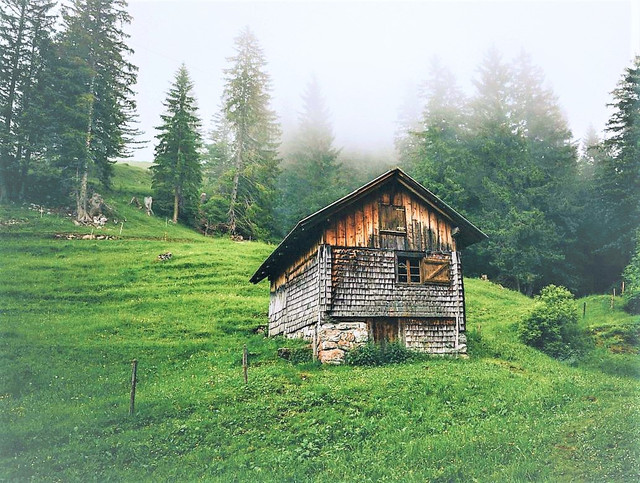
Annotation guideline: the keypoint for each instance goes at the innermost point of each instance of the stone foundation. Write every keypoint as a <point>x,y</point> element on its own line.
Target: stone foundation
<point>335,339</point>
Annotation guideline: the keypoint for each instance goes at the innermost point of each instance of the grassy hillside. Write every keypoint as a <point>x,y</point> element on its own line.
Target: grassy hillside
<point>74,313</point>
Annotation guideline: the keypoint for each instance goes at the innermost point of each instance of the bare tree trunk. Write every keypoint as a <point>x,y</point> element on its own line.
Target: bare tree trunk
<point>176,203</point>
<point>234,190</point>
<point>25,160</point>
<point>24,171</point>
<point>234,200</point>
<point>81,198</point>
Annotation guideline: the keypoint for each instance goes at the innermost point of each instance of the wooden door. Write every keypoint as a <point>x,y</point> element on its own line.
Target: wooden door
<point>384,330</point>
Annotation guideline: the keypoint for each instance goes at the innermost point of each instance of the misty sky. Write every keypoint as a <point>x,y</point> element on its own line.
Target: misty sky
<point>370,57</point>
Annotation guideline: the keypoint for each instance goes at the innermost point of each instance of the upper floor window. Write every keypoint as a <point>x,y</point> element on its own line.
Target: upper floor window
<point>392,219</point>
<point>414,268</point>
<point>409,269</point>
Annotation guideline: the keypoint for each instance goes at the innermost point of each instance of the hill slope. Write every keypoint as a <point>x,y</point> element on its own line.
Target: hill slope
<point>76,312</point>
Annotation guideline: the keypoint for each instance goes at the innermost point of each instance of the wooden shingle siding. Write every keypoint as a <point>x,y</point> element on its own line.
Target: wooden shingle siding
<point>294,304</point>
<point>436,336</point>
<point>296,267</point>
<point>364,285</point>
<point>277,310</point>
<point>458,287</point>
<point>324,278</point>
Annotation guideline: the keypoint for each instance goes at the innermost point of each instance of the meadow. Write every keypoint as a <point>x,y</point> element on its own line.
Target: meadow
<point>75,313</point>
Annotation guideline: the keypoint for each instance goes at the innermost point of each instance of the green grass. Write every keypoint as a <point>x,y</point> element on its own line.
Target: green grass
<point>73,314</point>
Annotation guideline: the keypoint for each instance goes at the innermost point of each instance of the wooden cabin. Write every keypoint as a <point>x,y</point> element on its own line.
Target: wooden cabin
<point>381,264</point>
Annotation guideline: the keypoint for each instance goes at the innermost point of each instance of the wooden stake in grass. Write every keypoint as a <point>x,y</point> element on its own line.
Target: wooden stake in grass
<point>584,310</point>
<point>613,295</point>
<point>245,363</point>
<point>134,379</point>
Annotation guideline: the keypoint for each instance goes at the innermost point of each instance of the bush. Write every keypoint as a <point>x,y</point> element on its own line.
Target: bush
<point>552,325</point>
<point>377,355</point>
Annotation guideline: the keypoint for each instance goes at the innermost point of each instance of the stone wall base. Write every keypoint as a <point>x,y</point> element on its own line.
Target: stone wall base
<point>336,338</point>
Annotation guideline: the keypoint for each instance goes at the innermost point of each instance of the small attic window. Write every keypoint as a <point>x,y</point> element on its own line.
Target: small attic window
<point>392,219</point>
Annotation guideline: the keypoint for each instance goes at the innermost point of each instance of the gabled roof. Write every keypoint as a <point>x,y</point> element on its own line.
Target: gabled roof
<point>308,229</point>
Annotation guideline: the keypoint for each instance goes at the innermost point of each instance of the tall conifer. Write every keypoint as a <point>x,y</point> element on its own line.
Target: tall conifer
<point>95,94</point>
<point>26,28</point>
<point>177,172</point>
<point>311,177</point>
<point>255,137</point>
<point>617,176</point>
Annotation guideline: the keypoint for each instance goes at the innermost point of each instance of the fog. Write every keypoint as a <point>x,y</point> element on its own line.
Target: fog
<point>370,58</point>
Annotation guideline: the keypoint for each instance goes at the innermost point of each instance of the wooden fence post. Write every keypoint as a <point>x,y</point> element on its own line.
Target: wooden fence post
<point>613,295</point>
<point>134,379</point>
<point>245,363</point>
<point>584,310</point>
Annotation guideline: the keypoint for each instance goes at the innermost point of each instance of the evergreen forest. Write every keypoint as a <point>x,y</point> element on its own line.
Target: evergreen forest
<point>556,209</point>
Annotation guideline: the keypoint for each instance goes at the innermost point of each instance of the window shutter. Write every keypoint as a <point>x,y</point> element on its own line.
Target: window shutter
<point>393,219</point>
<point>436,270</point>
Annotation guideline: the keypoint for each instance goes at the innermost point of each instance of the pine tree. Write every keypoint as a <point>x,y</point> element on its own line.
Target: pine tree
<point>439,159</point>
<point>219,151</point>
<point>177,172</point>
<point>25,36</point>
<point>311,177</point>
<point>409,126</point>
<point>95,94</point>
<point>584,263</point>
<point>551,169</point>
<point>550,151</point>
<point>591,152</point>
<point>617,176</point>
<point>504,159</point>
<point>255,134</point>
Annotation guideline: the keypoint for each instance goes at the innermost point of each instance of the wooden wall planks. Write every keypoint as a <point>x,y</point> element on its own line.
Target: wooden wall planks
<point>359,225</point>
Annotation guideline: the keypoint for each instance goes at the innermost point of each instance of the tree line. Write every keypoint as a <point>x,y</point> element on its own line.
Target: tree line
<point>66,98</point>
<point>504,156</point>
<point>506,159</point>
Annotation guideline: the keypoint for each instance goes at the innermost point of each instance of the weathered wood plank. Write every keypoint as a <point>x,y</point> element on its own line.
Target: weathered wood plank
<point>341,238</point>
<point>375,216</point>
<point>351,229</point>
<point>330,233</point>
<point>368,222</point>
<point>406,200</point>
<point>360,229</point>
